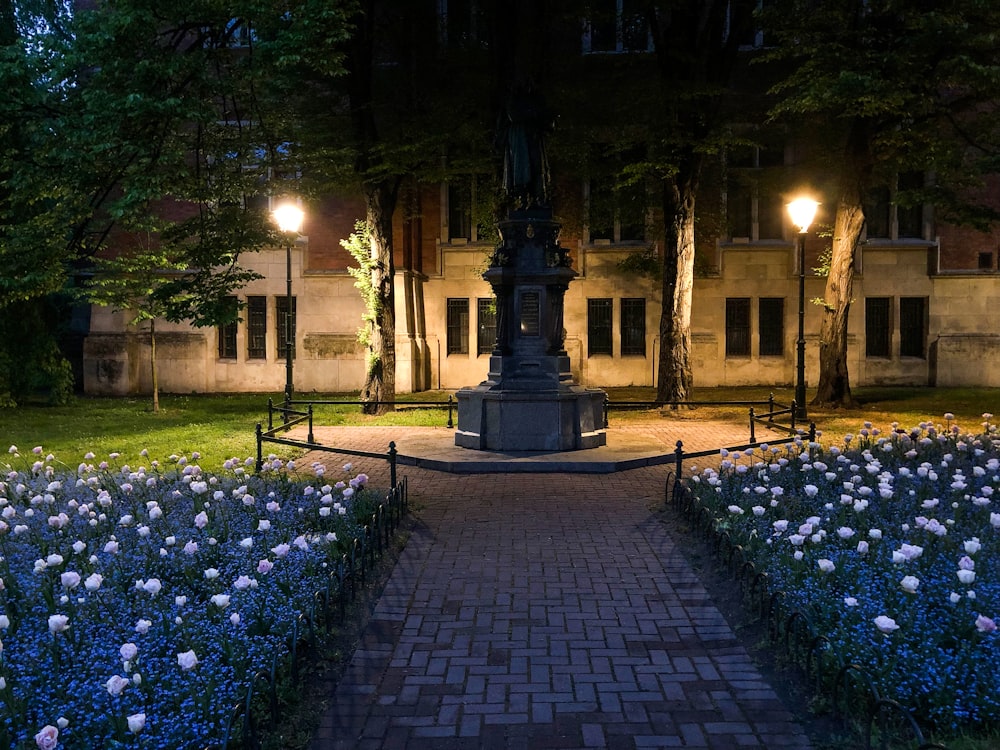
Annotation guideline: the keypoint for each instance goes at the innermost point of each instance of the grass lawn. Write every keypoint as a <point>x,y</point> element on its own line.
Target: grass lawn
<point>222,426</point>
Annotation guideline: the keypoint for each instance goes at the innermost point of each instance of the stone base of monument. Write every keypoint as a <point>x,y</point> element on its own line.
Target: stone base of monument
<point>565,419</point>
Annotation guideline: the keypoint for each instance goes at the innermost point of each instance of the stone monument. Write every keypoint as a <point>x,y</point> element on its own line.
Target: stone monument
<point>529,401</point>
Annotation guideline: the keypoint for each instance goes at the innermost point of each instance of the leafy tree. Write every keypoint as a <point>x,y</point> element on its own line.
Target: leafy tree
<point>137,117</point>
<point>890,87</point>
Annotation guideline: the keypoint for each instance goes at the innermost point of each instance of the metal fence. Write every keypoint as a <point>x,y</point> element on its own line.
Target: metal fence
<point>259,711</point>
<point>882,723</point>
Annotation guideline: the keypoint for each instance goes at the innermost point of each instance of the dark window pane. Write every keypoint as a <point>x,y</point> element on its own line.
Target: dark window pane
<point>598,327</point>
<point>912,327</point>
<point>632,212</point>
<point>877,213</point>
<point>633,324</point>
<point>738,327</point>
<point>603,26</point>
<point>281,310</point>
<point>739,208</point>
<point>486,313</point>
<point>877,326</point>
<point>770,215</point>
<point>460,208</point>
<point>771,313</point>
<point>227,337</point>
<point>256,327</point>
<point>634,28</point>
<point>458,326</point>
<point>602,209</point>
<point>985,261</point>
<point>909,217</point>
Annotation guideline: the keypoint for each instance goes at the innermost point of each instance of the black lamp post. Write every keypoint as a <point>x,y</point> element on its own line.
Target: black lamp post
<point>802,211</point>
<point>288,217</point>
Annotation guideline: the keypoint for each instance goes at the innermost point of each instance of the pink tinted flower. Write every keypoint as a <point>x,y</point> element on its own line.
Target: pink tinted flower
<point>985,624</point>
<point>264,566</point>
<point>116,684</point>
<point>48,738</point>
<point>70,579</point>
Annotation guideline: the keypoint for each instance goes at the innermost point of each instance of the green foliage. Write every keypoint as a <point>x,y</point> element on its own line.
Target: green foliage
<point>31,363</point>
<point>359,245</point>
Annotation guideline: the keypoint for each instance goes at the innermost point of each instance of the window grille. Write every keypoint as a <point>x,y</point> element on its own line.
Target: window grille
<point>912,327</point>
<point>771,326</point>
<point>877,326</point>
<point>633,327</point>
<point>738,327</point>
<point>256,327</point>
<point>458,326</point>
<point>599,326</point>
<point>281,308</point>
<point>486,314</point>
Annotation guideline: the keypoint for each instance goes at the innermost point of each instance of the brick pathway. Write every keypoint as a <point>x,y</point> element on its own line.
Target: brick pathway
<point>547,611</point>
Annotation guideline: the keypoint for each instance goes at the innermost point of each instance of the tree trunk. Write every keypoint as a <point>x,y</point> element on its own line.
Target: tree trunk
<point>380,373</point>
<point>834,388</point>
<point>152,366</point>
<point>674,378</point>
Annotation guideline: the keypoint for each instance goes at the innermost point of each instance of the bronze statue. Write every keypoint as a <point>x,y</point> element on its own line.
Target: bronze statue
<point>521,133</point>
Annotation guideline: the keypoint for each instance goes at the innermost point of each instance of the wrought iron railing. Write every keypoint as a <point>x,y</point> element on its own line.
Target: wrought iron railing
<point>881,722</point>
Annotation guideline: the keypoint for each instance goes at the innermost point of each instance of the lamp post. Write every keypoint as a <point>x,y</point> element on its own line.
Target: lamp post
<point>288,217</point>
<point>802,211</point>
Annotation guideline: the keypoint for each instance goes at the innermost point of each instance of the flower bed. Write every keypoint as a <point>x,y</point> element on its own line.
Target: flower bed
<point>137,603</point>
<point>891,545</point>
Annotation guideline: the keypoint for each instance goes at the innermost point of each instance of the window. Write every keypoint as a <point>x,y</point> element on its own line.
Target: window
<point>616,206</point>
<point>912,327</point>
<point>462,24</point>
<point>771,326</point>
<point>458,326</point>
<point>985,261</point>
<point>877,326</point>
<point>462,214</point>
<point>633,327</point>
<point>256,327</point>
<point>893,211</point>
<point>754,206</point>
<point>281,318</point>
<point>738,327</point>
<point>616,26</point>
<point>486,316</point>
<point>599,326</point>
<point>227,337</point>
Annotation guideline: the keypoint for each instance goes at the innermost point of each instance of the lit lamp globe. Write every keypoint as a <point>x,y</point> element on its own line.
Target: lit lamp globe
<point>802,211</point>
<point>288,216</point>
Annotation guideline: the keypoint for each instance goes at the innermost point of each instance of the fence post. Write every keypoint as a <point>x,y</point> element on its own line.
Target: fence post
<point>753,438</point>
<point>392,463</point>
<point>795,410</point>
<point>770,407</point>
<point>679,458</point>
<point>812,432</point>
<point>607,401</point>
<point>310,438</point>
<point>260,455</point>
<point>451,422</point>
<point>270,414</point>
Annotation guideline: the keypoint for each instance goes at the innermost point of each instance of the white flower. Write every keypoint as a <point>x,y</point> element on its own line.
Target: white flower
<point>93,582</point>
<point>142,626</point>
<point>909,584</point>
<point>187,660</point>
<point>48,737</point>
<point>220,600</point>
<point>234,618</point>
<point>263,525</point>
<point>972,546</point>
<point>58,623</point>
<point>201,520</point>
<point>966,576</point>
<point>211,573</point>
<point>152,586</point>
<point>850,601</point>
<point>886,624</point>
<point>136,723</point>
<point>128,651</point>
<point>70,579</point>
<point>825,565</point>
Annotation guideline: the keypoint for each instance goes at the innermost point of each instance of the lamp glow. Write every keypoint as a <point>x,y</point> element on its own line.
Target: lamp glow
<point>289,217</point>
<point>802,211</point>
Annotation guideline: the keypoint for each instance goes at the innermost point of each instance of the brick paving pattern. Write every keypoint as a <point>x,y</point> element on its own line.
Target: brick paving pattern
<point>543,611</point>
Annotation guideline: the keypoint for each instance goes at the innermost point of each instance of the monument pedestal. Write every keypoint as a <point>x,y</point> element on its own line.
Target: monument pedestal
<point>529,401</point>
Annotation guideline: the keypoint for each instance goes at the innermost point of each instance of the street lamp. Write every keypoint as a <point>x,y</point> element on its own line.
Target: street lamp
<point>802,211</point>
<point>288,217</point>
